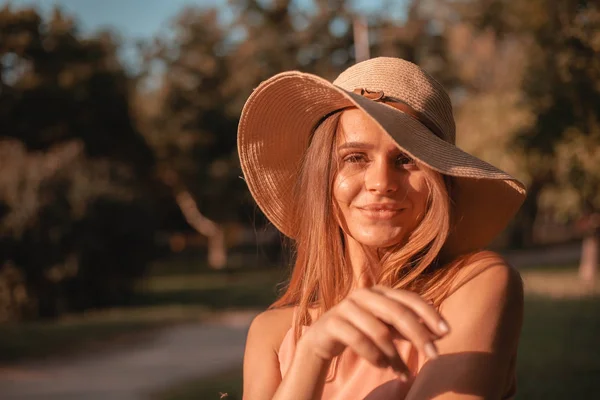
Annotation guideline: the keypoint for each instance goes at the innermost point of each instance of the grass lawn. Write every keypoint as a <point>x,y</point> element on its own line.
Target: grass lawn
<point>559,355</point>
<point>92,331</point>
<point>159,301</point>
<point>215,388</point>
<point>255,288</point>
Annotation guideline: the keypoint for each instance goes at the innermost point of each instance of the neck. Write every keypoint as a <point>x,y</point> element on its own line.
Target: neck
<point>363,261</point>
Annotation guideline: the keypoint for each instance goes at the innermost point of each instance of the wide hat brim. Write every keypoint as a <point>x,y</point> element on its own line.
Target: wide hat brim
<point>275,129</point>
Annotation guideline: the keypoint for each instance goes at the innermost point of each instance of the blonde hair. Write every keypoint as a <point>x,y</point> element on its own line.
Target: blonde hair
<point>321,277</point>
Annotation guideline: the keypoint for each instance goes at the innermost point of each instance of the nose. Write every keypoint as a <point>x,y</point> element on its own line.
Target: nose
<point>381,177</point>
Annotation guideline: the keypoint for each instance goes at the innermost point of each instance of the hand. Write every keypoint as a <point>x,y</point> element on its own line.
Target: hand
<point>368,320</point>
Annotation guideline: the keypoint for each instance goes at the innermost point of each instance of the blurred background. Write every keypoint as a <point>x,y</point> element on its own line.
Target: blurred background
<point>132,256</point>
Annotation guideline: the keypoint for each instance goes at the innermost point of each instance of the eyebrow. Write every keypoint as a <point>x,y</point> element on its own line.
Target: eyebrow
<point>355,145</point>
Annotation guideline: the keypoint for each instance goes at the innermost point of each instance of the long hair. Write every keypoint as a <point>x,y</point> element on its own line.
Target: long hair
<point>321,277</point>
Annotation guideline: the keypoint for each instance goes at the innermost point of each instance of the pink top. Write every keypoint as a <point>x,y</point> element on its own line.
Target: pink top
<point>356,378</point>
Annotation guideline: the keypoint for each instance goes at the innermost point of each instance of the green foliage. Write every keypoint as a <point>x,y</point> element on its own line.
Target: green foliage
<point>576,190</point>
<point>76,222</point>
<point>192,131</point>
<point>561,87</point>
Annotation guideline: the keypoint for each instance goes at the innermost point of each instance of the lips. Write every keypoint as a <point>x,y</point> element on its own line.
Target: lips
<point>381,207</point>
<point>381,211</point>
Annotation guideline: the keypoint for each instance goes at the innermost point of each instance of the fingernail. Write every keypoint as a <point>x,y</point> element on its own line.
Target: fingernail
<point>430,351</point>
<point>403,377</point>
<point>443,327</point>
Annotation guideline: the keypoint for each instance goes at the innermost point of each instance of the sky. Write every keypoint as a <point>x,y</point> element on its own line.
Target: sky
<point>145,19</point>
<point>131,18</point>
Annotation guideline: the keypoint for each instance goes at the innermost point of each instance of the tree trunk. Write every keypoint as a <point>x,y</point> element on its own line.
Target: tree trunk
<point>217,254</point>
<point>588,266</point>
<point>361,38</point>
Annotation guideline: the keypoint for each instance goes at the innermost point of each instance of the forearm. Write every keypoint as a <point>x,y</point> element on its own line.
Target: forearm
<point>305,378</point>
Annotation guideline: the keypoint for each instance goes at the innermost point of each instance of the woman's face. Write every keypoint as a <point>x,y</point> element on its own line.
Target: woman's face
<point>380,192</point>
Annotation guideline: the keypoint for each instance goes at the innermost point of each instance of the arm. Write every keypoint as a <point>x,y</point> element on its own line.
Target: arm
<point>306,377</point>
<point>485,314</point>
<point>261,363</point>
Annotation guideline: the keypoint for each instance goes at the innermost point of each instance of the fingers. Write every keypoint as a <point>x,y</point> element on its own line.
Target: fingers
<point>376,331</point>
<point>369,319</point>
<point>403,318</point>
<point>356,339</point>
<point>424,310</point>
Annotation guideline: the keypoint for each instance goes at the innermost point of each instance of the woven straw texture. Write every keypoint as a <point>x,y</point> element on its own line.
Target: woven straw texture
<point>280,115</point>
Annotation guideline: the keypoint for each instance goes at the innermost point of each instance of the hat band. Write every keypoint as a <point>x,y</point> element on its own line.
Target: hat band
<point>403,107</point>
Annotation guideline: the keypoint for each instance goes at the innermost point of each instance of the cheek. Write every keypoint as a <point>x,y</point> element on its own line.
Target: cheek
<point>346,188</point>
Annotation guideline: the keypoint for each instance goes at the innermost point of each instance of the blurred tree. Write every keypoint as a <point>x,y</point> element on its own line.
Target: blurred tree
<point>283,35</point>
<point>210,69</point>
<point>489,109</point>
<point>186,122</point>
<point>77,216</point>
<point>561,87</point>
<point>421,37</point>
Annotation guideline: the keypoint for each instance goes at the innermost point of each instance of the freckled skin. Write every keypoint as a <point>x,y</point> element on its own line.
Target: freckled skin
<point>373,170</point>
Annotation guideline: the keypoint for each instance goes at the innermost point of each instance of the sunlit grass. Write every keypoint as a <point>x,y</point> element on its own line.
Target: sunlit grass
<point>209,280</point>
<point>558,283</point>
<point>559,356</point>
<point>237,289</point>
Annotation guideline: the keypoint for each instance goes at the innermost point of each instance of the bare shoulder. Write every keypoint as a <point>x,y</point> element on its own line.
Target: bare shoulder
<point>261,362</point>
<point>485,307</point>
<point>271,326</point>
<point>489,274</point>
<point>484,311</point>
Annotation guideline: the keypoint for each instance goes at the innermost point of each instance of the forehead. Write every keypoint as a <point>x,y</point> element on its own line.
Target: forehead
<point>356,126</point>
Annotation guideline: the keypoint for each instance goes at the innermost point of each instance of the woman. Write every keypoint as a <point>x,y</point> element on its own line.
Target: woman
<point>392,295</point>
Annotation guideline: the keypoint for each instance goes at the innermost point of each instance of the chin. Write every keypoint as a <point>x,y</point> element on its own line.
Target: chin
<point>379,239</point>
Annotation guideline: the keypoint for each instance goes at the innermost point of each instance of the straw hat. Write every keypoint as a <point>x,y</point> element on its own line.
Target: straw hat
<point>281,114</point>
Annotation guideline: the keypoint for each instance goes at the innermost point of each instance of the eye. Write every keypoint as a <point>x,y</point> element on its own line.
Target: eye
<point>355,158</point>
<point>404,159</point>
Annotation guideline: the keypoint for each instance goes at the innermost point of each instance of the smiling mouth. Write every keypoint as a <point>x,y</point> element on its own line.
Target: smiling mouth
<point>381,213</point>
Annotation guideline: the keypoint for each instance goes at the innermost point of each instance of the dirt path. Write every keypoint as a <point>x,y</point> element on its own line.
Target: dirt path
<point>176,354</point>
